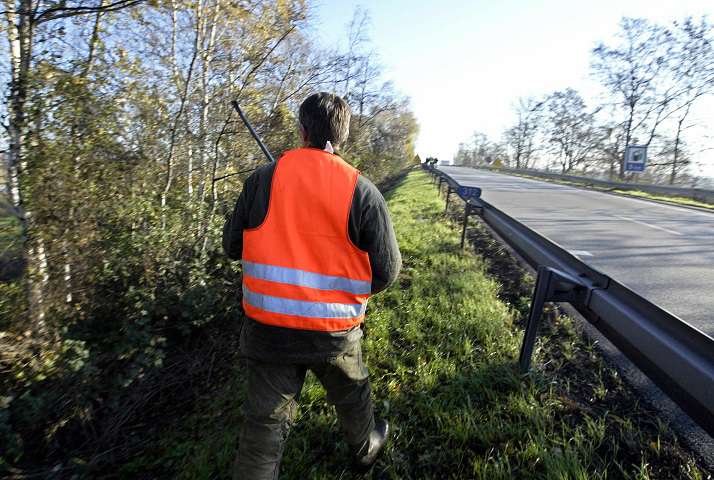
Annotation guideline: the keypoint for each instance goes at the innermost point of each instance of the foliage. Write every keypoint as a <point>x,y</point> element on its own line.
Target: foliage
<point>10,242</point>
<point>128,155</point>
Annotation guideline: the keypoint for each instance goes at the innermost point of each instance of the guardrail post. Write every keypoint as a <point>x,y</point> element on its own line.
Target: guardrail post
<point>449,191</point>
<point>469,209</point>
<point>551,286</point>
<point>534,316</point>
<point>467,212</point>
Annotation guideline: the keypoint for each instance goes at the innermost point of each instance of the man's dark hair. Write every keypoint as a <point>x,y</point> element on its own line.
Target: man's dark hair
<point>325,116</point>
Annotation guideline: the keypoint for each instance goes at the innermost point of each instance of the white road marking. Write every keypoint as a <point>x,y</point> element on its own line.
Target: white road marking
<point>647,224</point>
<point>676,208</point>
<point>581,253</point>
<point>682,210</point>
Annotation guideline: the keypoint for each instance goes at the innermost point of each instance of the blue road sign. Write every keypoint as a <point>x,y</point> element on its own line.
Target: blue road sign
<point>469,192</point>
<point>635,158</point>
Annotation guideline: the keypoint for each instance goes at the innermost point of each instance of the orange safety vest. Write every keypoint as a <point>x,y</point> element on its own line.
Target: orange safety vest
<point>300,268</point>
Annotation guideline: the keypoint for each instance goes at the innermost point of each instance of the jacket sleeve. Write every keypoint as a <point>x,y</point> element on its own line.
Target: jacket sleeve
<point>376,236</point>
<point>236,223</point>
<point>250,210</point>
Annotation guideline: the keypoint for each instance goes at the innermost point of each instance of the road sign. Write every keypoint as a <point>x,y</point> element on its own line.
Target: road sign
<point>635,158</point>
<point>469,192</point>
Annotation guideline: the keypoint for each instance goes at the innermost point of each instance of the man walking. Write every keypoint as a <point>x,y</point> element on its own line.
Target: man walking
<point>316,240</point>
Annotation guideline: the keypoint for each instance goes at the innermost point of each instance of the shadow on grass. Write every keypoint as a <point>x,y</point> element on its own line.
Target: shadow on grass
<point>436,430</point>
<point>115,387</point>
<point>389,186</point>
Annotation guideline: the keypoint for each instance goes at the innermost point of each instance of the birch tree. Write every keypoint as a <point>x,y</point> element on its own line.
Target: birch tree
<point>26,22</point>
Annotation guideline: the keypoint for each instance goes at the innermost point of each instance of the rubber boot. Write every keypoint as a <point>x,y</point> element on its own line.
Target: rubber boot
<point>367,454</point>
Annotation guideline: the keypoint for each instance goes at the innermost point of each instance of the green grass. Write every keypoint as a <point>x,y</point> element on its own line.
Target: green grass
<point>441,349</point>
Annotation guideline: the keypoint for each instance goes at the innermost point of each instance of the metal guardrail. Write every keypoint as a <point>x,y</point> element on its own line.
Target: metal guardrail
<point>676,356</point>
<point>698,194</point>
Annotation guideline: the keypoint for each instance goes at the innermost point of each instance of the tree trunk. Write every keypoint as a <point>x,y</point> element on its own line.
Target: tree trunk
<point>212,209</point>
<point>675,157</point>
<point>93,42</point>
<point>677,143</point>
<point>19,35</point>
<point>206,61</point>
<point>19,30</point>
<point>628,137</point>
<point>174,131</point>
<point>189,169</point>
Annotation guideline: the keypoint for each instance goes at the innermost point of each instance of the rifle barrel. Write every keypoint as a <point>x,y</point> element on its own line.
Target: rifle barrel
<point>252,131</point>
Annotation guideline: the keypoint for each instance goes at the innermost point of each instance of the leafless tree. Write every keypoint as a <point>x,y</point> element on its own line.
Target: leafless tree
<point>693,73</point>
<point>522,138</point>
<point>570,129</point>
<point>633,74</point>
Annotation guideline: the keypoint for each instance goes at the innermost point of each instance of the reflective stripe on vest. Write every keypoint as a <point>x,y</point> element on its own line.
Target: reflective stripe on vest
<point>300,268</point>
<point>301,308</point>
<point>302,278</point>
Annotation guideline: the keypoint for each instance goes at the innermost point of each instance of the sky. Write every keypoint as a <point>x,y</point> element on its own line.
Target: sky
<point>465,63</point>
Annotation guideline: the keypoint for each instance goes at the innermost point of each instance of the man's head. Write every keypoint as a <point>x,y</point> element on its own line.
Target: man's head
<point>324,116</point>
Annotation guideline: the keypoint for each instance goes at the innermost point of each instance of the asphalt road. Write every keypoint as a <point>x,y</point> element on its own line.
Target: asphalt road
<point>665,253</point>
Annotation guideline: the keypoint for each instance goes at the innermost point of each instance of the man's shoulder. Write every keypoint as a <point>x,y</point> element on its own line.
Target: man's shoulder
<point>262,174</point>
<point>291,152</point>
<point>367,190</point>
<point>266,169</point>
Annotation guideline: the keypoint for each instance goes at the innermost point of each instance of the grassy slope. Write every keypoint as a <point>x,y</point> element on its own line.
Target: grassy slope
<point>441,349</point>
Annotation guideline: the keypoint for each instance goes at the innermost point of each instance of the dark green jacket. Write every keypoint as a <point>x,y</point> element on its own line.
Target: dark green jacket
<point>370,228</point>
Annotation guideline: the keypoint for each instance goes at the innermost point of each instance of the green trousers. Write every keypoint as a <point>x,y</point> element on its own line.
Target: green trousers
<point>269,410</point>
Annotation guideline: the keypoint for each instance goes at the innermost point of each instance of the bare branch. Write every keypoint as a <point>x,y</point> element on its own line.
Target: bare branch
<point>64,12</point>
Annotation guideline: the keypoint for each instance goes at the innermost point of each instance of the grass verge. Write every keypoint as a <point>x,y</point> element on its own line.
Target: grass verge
<point>441,348</point>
